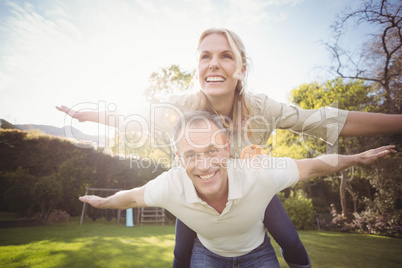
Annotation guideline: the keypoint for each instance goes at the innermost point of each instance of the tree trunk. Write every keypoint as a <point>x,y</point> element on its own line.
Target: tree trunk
<point>354,196</point>
<point>342,193</point>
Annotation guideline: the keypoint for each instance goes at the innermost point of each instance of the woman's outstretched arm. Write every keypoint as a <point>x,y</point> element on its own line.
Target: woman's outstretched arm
<point>91,116</point>
<point>366,124</point>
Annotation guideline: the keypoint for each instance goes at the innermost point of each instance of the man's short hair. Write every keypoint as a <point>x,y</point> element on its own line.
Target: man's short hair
<point>191,118</point>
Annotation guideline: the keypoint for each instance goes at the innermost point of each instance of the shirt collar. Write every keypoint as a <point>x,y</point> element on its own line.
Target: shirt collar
<point>189,190</point>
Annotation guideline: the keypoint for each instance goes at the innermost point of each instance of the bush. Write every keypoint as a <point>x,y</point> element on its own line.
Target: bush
<point>366,222</point>
<point>39,173</point>
<point>340,223</point>
<point>373,223</point>
<point>299,208</point>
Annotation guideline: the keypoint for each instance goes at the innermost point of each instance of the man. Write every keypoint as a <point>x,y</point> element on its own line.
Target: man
<point>224,199</point>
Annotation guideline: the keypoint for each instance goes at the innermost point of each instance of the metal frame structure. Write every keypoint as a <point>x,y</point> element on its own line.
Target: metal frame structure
<point>84,206</point>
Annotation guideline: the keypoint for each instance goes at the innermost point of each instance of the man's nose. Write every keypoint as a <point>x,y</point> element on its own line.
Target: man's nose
<point>203,162</point>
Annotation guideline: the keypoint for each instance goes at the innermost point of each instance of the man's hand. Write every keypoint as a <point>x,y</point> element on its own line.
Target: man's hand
<point>120,200</point>
<point>93,200</point>
<point>368,157</point>
<point>329,164</point>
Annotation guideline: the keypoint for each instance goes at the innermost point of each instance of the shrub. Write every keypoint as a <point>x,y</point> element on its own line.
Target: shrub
<point>370,222</point>
<point>367,222</point>
<point>340,223</point>
<point>299,208</point>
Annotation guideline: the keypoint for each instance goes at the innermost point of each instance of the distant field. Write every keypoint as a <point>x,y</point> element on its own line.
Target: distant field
<point>104,244</point>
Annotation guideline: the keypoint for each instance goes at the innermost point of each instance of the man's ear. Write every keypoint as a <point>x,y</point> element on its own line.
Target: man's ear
<point>227,146</point>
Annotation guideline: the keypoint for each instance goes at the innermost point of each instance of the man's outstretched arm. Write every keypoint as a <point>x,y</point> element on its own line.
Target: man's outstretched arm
<point>120,200</point>
<point>328,164</point>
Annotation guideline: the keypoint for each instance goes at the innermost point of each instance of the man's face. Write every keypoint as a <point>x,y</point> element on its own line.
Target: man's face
<point>203,152</point>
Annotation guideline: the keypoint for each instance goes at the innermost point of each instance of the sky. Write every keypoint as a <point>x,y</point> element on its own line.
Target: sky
<point>100,54</point>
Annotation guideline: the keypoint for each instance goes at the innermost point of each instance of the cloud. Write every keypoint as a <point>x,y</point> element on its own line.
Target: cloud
<point>102,50</point>
<point>251,12</point>
<point>32,42</point>
<point>284,2</point>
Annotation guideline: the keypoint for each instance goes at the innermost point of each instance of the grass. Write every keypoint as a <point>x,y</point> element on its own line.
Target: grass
<point>103,244</point>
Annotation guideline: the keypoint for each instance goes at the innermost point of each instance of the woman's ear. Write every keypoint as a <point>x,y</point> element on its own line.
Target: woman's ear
<point>243,70</point>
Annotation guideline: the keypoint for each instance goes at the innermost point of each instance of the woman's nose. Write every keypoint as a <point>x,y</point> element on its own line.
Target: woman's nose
<point>214,64</point>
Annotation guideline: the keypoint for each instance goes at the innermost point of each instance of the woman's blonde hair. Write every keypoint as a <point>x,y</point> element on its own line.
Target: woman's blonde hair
<point>239,114</point>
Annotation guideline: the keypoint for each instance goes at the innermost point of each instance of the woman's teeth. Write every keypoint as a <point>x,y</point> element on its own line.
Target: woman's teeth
<point>215,79</point>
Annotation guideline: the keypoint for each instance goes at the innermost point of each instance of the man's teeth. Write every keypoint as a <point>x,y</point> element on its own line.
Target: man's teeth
<point>215,79</point>
<point>207,177</point>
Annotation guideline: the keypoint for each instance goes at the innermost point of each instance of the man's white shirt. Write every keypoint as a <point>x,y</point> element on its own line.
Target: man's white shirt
<point>239,228</point>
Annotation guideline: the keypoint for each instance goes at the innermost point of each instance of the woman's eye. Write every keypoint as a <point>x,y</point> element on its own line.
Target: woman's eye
<point>204,57</point>
<point>227,56</point>
<point>212,151</point>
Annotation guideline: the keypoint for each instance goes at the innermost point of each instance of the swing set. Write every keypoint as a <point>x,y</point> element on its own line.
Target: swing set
<point>95,213</point>
<point>145,215</point>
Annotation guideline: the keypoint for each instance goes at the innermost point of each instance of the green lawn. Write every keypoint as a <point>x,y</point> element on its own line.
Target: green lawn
<point>102,244</point>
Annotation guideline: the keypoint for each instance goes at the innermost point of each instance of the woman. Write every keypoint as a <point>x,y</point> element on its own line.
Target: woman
<point>221,73</point>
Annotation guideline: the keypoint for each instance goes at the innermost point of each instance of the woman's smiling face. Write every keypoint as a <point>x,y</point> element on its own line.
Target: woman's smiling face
<point>217,66</point>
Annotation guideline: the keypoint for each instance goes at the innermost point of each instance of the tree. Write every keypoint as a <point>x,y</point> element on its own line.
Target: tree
<point>47,194</point>
<point>379,60</point>
<point>159,151</point>
<point>379,63</point>
<point>162,84</point>
<point>167,81</point>
<point>17,191</point>
<point>343,94</point>
<point>39,173</point>
<point>376,189</point>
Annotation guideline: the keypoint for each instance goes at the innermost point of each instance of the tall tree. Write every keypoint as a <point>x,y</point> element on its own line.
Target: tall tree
<point>339,93</point>
<point>379,60</point>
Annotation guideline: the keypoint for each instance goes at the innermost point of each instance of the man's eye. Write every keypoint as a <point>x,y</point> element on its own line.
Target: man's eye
<point>190,156</point>
<point>212,151</point>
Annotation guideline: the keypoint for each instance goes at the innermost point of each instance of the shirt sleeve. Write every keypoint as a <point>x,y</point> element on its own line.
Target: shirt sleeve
<point>292,175</point>
<point>283,171</point>
<point>154,194</point>
<point>325,123</point>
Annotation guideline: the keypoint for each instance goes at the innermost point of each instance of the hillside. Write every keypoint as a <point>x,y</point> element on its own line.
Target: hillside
<point>65,132</point>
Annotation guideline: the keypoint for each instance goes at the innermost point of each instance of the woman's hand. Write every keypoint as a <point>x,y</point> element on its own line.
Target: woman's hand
<point>251,150</point>
<point>70,112</point>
